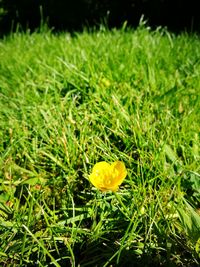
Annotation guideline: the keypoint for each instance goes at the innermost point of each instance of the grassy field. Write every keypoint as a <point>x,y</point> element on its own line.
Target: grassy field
<point>70,101</point>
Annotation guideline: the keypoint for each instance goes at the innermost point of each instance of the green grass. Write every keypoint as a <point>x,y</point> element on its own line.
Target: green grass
<point>68,102</point>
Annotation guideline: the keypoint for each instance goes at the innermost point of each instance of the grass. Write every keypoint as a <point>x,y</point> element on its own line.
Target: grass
<point>68,102</point>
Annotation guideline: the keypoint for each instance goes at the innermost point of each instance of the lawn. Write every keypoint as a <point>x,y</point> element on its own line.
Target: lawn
<point>69,101</point>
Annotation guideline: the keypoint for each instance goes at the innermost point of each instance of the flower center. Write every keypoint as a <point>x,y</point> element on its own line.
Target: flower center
<point>107,181</point>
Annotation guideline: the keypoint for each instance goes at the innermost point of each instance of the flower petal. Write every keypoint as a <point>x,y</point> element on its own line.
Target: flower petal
<point>97,176</point>
<point>120,171</point>
<point>101,166</point>
<point>96,180</point>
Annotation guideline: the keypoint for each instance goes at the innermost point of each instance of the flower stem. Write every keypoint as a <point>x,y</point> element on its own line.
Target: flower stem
<point>124,208</point>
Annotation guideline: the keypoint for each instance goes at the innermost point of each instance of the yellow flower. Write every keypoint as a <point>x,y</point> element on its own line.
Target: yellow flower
<point>107,176</point>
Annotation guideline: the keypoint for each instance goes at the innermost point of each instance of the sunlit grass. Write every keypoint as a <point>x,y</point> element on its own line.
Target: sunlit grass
<point>67,103</point>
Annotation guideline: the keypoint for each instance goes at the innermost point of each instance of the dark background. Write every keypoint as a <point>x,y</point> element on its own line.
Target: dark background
<point>176,15</point>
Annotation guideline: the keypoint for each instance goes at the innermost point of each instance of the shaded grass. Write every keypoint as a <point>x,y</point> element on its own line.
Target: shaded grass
<point>69,102</point>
